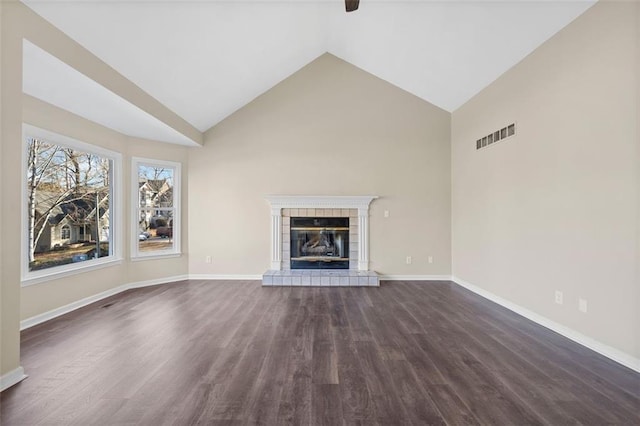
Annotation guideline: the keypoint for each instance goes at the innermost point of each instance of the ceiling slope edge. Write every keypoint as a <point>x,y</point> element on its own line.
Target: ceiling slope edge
<point>266,91</point>
<point>394,84</point>
<point>588,5</point>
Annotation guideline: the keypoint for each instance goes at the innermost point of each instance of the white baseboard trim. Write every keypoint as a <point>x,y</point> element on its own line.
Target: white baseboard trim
<point>224,277</point>
<point>159,281</point>
<point>46,316</point>
<point>415,277</point>
<point>612,353</point>
<point>11,378</point>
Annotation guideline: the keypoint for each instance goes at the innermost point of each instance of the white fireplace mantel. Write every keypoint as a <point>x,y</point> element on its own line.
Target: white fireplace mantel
<point>360,202</point>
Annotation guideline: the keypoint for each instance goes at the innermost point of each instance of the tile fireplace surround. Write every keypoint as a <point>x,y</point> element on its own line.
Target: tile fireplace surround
<point>356,208</point>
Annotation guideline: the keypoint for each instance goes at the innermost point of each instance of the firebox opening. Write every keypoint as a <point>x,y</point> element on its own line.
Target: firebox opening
<point>319,243</point>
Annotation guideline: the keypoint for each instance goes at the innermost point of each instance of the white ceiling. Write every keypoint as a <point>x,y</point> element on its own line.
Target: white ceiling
<point>206,59</point>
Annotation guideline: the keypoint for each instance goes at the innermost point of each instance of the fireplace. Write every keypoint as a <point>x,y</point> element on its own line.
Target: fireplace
<point>319,242</point>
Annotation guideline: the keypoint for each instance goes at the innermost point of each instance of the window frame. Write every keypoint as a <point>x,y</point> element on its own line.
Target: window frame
<point>175,251</point>
<point>66,228</point>
<point>28,277</point>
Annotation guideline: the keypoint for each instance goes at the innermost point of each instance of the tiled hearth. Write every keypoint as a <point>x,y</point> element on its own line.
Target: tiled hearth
<point>356,208</point>
<point>321,277</point>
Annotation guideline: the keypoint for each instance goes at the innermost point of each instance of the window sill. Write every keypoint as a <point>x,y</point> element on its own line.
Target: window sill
<point>155,257</point>
<point>45,276</point>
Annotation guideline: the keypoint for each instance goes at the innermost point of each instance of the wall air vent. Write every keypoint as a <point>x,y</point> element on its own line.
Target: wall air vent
<point>497,136</point>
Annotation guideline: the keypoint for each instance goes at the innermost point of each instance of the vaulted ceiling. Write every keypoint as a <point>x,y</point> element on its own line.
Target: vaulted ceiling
<point>206,59</point>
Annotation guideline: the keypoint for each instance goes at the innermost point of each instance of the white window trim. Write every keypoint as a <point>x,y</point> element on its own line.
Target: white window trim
<point>115,207</point>
<point>136,255</point>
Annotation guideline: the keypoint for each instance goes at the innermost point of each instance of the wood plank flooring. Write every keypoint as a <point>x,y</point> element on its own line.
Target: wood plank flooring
<point>234,353</point>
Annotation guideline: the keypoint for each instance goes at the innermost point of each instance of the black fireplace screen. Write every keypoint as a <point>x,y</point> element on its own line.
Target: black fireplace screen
<point>319,243</point>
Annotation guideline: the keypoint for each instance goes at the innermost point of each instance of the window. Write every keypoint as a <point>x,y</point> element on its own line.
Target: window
<point>70,199</point>
<point>65,233</point>
<point>156,201</point>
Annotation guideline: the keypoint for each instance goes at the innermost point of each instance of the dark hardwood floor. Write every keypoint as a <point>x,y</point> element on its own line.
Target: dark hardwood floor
<point>233,352</point>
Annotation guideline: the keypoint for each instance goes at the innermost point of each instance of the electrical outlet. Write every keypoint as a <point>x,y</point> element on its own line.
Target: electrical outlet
<point>408,260</point>
<point>208,259</point>
<point>430,259</point>
<point>558,297</point>
<point>386,213</point>
<point>582,305</point>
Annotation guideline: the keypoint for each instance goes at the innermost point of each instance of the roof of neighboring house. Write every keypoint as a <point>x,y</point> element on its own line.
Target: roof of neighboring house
<point>78,207</point>
<point>155,185</point>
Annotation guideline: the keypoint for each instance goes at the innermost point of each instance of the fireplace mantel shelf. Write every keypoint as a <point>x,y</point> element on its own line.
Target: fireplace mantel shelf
<point>360,202</point>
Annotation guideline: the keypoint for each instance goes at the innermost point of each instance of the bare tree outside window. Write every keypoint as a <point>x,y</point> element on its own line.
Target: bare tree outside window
<point>68,205</point>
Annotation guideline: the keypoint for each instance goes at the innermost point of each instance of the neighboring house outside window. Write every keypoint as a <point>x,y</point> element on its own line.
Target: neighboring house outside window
<point>156,201</point>
<point>69,194</point>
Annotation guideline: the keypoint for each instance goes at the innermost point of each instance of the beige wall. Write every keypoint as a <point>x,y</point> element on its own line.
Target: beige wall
<point>21,303</point>
<point>5,332</point>
<point>556,207</point>
<point>637,118</point>
<point>2,307</point>
<point>330,129</point>
<point>11,131</point>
